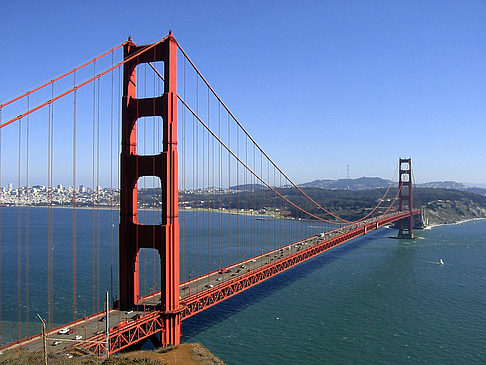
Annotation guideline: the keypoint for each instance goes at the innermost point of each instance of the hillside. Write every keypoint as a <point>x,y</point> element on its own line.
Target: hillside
<point>441,205</point>
<point>369,183</point>
<point>362,183</point>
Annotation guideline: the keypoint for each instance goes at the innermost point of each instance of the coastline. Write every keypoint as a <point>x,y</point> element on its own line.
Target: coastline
<point>454,223</point>
<point>117,208</point>
<point>265,216</point>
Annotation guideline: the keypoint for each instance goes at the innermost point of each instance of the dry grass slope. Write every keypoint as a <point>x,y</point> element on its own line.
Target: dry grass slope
<point>185,354</point>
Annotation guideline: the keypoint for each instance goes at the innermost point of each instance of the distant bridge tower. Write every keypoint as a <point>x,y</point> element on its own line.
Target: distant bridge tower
<point>132,235</point>
<point>405,197</point>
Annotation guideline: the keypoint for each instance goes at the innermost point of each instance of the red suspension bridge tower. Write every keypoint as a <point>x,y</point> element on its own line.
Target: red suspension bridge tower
<point>405,197</point>
<point>133,236</point>
<point>212,167</point>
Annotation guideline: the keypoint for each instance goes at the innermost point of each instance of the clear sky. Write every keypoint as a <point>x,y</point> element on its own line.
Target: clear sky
<point>319,84</point>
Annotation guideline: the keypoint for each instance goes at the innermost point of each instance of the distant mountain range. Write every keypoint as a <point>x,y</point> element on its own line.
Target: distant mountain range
<point>366,183</point>
<point>444,185</point>
<point>453,185</point>
<point>247,187</point>
<point>362,183</point>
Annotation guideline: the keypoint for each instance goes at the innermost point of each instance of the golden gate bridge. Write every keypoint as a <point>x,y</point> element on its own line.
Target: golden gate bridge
<point>154,132</point>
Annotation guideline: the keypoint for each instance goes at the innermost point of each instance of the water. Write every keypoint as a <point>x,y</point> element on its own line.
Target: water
<point>209,241</point>
<point>375,300</point>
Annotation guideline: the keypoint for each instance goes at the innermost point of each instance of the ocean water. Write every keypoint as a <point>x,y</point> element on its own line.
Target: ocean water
<point>376,300</point>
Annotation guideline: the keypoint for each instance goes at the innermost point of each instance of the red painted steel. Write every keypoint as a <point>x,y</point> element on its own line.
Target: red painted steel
<point>164,238</point>
<point>87,82</point>
<point>127,333</point>
<point>62,76</point>
<point>28,340</point>
<point>130,332</point>
<point>133,235</point>
<point>201,301</point>
<point>405,197</point>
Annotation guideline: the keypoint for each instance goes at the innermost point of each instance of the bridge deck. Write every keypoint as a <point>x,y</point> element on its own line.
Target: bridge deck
<point>127,328</point>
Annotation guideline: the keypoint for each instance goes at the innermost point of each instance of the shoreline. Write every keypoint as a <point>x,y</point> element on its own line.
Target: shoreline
<point>221,211</point>
<point>181,209</point>
<point>454,223</point>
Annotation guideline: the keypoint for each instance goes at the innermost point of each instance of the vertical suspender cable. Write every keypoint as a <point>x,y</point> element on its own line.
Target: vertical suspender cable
<point>237,199</point>
<point>98,192</point>
<point>51,211</point>
<point>287,221</point>
<point>153,180</point>
<point>144,201</point>
<point>49,243</point>
<point>19,212</point>
<point>254,223</point>
<point>112,94</point>
<point>193,190</point>
<point>263,202</point>
<point>48,218</point>
<point>208,197</point>
<point>196,236</point>
<point>183,175</point>
<point>74,195</point>
<point>269,239</point>
<point>27,202</point>
<point>274,205</point>
<point>118,144</point>
<point>93,197</point>
<point>246,198</point>
<point>213,185</point>
<point>229,192</point>
<point>202,192</point>
<point>1,199</point>
<point>220,184</point>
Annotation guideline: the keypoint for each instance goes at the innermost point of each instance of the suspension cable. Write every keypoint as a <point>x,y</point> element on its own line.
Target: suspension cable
<point>62,76</point>
<point>263,152</point>
<point>248,135</point>
<point>95,77</point>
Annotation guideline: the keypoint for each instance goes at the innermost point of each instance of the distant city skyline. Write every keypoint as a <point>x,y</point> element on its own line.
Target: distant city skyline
<point>82,187</point>
<point>319,85</point>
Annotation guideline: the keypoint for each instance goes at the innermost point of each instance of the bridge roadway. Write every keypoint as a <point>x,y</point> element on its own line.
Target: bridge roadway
<point>127,328</point>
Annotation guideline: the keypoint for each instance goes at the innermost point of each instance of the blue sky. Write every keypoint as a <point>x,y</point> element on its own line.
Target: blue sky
<point>319,84</point>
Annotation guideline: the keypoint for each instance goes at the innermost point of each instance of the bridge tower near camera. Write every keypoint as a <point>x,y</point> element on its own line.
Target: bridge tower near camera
<point>133,235</point>
<point>405,197</point>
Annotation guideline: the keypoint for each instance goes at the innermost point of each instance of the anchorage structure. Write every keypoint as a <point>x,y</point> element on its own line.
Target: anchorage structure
<point>405,197</point>
<point>133,236</point>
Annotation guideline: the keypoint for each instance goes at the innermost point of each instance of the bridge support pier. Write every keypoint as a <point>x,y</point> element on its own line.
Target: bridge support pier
<point>132,235</point>
<point>405,197</point>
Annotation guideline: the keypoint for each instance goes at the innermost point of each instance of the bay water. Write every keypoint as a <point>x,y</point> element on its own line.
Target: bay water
<point>375,300</point>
